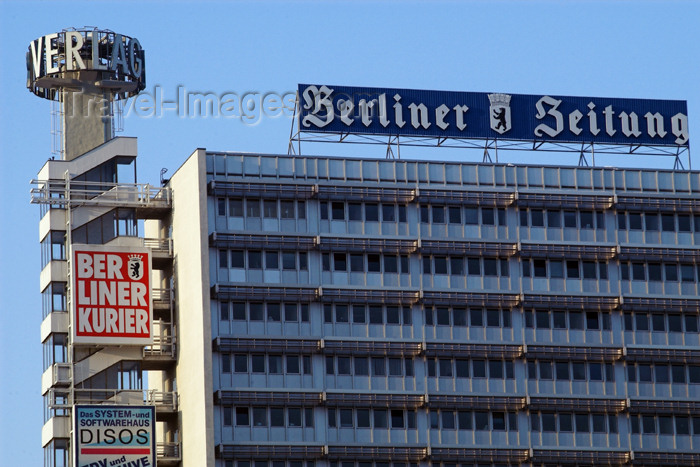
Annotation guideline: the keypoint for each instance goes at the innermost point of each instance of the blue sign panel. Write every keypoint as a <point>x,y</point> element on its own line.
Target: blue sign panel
<point>480,115</point>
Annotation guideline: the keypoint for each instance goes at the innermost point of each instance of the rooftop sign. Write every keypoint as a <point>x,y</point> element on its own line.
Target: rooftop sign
<point>477,115</point>
<point>53,61</point>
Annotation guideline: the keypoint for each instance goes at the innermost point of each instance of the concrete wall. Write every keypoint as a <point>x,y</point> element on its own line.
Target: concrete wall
<point>191,271</point>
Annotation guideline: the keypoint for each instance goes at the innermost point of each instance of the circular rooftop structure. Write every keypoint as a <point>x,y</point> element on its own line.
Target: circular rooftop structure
<point>87,58</point>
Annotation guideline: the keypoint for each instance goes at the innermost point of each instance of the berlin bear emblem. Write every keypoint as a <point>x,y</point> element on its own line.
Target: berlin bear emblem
<point>135,266</point>
<point>499,112</point>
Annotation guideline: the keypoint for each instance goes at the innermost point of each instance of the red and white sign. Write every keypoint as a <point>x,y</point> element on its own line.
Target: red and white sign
<point>111,295</point>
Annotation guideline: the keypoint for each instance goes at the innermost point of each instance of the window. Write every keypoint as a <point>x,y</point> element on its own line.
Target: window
<point>253,207</point>
<point>242,416</point>
<point>553,218</point>
<point>570,219</point>
<point>388,213</point>
<point>537,218</point>
<point>240,363</point>
<point>438,214</point>
<point>354,211</point>
<point>338,211</point>
<point>471,216</point>
<point>371,212</point>
<point>270,209</point>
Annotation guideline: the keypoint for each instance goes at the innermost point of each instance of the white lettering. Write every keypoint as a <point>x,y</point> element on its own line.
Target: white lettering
<point>138,294</point>
<point>593,119</point>
<point>51,52</point>
<point>419,116</point>
<point>84,265</point>
<point>608,112</point>
<point>96,62</point>
<point>558,117</point>
<point>114,266</point>
<point>99,266</point>
<point>630,124</point>
<point>317,98</point>
<point>383,111</point>
<point>440,114</point>
<point>141,321</point>
<point>346,107</point>
<point>72,51</point>
<point>111,320</point>
<point>460,110</point>
<point>574,118</point>
<point>36,49</point>
<point>398,112</point>
<point>655,124</point>
<point>365,111</point>
<point>84,320</point>
<point>679,128</point>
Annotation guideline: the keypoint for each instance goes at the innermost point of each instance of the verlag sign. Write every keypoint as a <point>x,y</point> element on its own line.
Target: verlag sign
<point>119,62</point>
<point>111,295</point>
<point>519,117</point>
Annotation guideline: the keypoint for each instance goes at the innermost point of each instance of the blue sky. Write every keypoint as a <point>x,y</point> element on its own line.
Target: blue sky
<point>639,49</point>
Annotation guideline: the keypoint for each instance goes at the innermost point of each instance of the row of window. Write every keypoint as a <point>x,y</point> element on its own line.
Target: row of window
<point>253,208</point>
<point>641,321</point>
<point>570,422</point>
<point>55,351</point>
<point>437,315</point>
<point>446,265</point>
<point>478,421</point>
<point>669,272</point>
<point>459,266</point>
<point>361,314</point>
<point>368,212</point>
<point>464,368</point>
<point>561,319</point>
<point>265,463</point>
<point>555,218</point>
<point>664,424</point>
<point>264,311</point>
<point>456,215</point>
<point>291,463</point>
<point>569,269</point>
<point>371,418</point>
<point>269,416</point>
<point>270,364</point>
<point>259,259</point>
<point>652,221</point>
<point>663,373</point>
<point>561,422</point>
<point>364,366</point>
<point>436,214</point>
<point>462,316</point>
<point>568,371</point>
<point>359,262</point>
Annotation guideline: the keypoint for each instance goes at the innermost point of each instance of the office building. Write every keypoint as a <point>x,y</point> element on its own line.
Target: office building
<point>338,312</point>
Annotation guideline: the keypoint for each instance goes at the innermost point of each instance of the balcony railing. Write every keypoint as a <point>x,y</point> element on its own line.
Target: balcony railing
<point>162,400</point>
<point>168,451</point>
<point>163,346</point>
<point>159,246</point>
<point>137,195</point>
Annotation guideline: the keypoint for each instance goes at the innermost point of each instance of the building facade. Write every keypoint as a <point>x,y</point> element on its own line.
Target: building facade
<point>330,312</point>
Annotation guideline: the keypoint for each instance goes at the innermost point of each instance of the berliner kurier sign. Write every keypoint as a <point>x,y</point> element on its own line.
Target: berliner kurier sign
<point>477,115</point>
<point>111,295</point>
